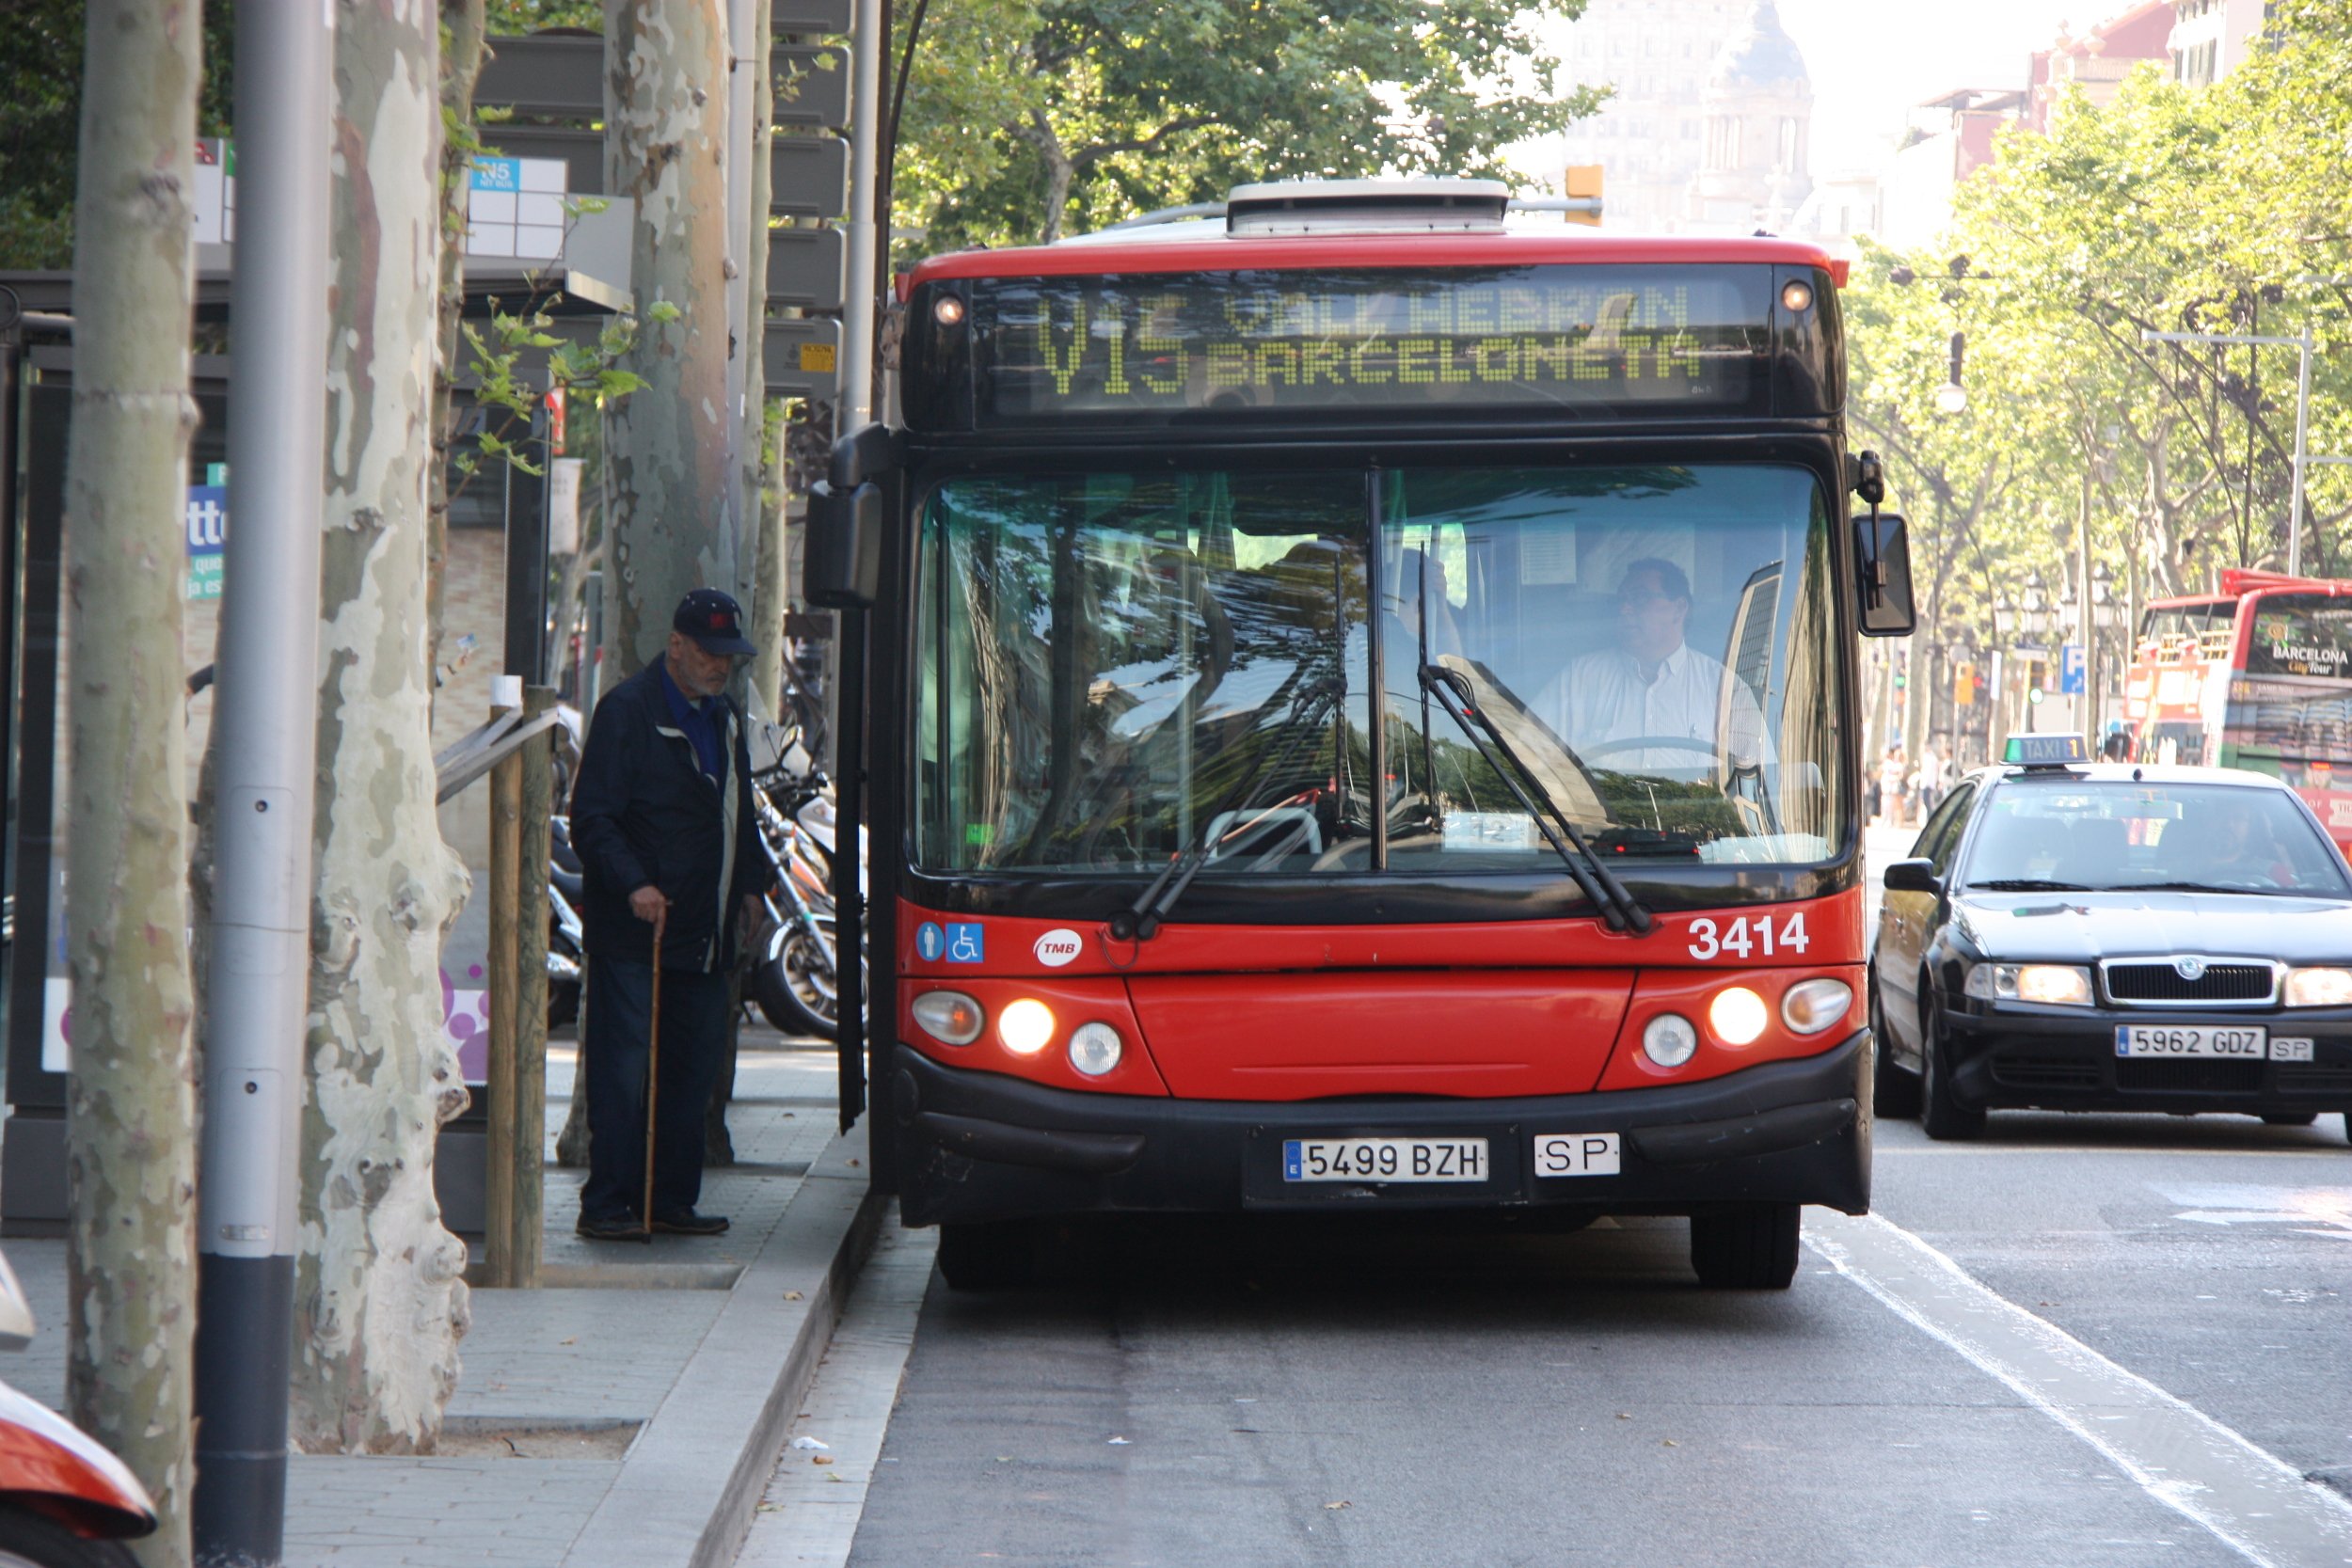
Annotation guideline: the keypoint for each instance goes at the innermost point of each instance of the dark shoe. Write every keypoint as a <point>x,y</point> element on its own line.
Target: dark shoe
<point>619,1227</point>
<point>688,1223</point>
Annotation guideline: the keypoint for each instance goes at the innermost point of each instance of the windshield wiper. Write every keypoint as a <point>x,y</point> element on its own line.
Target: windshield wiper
<point>2197,887</point>
<point>1141,920</point>
<point>2030,884</point>
<point>1618,908</point>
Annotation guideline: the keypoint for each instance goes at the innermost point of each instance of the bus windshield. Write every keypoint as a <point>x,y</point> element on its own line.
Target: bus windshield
<point>1113,666</point>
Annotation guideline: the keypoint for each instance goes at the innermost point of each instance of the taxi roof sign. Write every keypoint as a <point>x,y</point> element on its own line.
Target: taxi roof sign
<point>2046,751</point>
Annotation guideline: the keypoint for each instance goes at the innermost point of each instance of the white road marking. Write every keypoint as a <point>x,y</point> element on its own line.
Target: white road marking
<point>810,1511</point>
<point>2249,1500</point>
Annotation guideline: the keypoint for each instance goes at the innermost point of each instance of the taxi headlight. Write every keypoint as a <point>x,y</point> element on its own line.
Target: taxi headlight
<point>1738,1016</point>
<point>2319,988</point>
<point>2050,984</point>
<point>1669,1041</point>
<point>1094,1049</point>
<point>1810,1007</point>
<point>949,1015</point>
<point>1026,1027</point>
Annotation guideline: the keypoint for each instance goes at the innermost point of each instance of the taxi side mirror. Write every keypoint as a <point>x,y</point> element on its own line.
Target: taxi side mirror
<point>1883,573</point>
<point>1914,877</point>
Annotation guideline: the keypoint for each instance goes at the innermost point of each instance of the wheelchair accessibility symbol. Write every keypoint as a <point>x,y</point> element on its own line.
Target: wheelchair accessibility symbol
<point>965,943</point>
<point>930,943</point>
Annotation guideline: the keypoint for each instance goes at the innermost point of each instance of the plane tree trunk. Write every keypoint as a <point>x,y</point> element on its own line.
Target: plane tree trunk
<point>131,1089</point>
<point>379,1298</point>
<point>673,523</point>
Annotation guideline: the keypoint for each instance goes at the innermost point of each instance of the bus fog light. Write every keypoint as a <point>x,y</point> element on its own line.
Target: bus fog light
<point>1812,1006</point>
<point>1094,1049</point>
<point>1026,1027</point>
<point>1738,1016</point>
<point>1669,1041</point>
<point>2319,988</point>
<point>950,1016</point>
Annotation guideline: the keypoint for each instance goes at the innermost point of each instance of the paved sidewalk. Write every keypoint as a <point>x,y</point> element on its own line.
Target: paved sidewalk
<point>647,1369</point>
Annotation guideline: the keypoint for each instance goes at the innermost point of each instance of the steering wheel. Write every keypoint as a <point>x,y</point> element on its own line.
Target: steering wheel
<point>1708,749</point>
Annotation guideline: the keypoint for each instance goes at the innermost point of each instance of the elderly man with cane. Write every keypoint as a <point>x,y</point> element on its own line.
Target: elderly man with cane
<point>673,869</point>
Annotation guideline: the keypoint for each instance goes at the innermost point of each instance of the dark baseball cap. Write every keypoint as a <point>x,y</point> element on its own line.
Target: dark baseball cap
<point>714,620</point>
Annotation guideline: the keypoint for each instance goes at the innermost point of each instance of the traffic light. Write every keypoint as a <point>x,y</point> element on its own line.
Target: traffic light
<point>1965,686</point>
<point>1901,681</point>
<point>1583,185</point>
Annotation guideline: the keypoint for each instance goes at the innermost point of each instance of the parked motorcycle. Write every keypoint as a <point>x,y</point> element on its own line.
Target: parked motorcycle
<point>65,1501</point>
<point>795,983</point>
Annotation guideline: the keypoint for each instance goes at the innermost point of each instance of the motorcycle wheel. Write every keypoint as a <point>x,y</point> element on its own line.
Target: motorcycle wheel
<point>794,991</point>
<point>29,1540</point>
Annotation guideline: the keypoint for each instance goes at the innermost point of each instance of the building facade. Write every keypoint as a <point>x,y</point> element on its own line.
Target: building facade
<point>2210,38</point>
<point>1657,56</point>
<point>1756,118</point>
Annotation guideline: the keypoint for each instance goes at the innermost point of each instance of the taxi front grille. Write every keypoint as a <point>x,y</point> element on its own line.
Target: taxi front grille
<point>2160,983</point>
<point>2044,1072</point>
<point>2188,1077</point>
<point>2315,1080</point>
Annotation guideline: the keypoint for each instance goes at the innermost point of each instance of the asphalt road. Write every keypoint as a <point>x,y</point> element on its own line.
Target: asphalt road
<point>2082,1341</point>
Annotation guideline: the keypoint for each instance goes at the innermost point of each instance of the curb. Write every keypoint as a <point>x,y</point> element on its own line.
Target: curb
<point>689,1483</point>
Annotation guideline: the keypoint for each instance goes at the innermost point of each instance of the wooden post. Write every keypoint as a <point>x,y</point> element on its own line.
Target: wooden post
<point>528,1124</point>
<point>505,1083</point>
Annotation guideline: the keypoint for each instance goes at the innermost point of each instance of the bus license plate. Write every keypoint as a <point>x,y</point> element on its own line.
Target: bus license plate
<point>2238,1044</point>
<point>1384,1160</point>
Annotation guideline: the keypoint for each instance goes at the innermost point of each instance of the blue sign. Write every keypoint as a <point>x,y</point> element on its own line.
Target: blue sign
<point>967,943</point>
<point>208,532</point>
<point>2070,670</point>
<point>929,941</point>
<point>497,174</point>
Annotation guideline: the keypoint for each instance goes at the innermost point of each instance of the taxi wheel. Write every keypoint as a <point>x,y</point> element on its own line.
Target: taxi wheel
<point>988,1255</point>
<point>1941,1116</point>
<point>1752,1248</point>
<point>1894,1090</point>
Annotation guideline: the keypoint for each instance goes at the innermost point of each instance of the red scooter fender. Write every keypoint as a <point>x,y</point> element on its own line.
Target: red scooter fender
<point>52,1467</point>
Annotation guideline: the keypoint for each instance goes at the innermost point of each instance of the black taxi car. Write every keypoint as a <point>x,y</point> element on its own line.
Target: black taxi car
<point>2079,936</point>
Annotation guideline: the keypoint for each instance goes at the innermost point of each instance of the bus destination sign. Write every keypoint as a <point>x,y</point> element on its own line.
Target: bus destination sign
<point>1589,336</point>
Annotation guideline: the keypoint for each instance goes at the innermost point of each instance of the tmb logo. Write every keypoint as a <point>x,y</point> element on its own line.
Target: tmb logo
<point>1059,946</point>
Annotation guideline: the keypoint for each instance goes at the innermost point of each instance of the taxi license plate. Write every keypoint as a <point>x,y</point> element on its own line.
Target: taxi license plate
<point>1384,1160</point>
<point>2201,1041</point>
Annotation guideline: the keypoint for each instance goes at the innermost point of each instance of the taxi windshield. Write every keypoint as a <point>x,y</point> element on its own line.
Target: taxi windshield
<point>2096,836</point>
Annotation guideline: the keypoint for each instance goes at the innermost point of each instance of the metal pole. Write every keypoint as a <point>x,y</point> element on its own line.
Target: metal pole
<point>2302,436</point>
<point>264,719</point>
<point>747,55</point>
<point>2087,618</point>
<point>857,304</point>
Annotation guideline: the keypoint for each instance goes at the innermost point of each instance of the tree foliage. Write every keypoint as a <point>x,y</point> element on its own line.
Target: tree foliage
<point>1028,118</point>
<point>2220,210</point>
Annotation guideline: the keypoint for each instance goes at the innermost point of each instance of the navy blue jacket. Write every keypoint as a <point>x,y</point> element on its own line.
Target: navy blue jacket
<point>643,811</point>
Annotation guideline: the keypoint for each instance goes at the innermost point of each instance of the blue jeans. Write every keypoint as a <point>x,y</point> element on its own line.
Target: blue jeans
<point>619,1006</point>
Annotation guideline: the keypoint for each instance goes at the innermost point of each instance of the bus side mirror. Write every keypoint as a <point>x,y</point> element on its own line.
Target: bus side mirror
<point>845,532</point>
<point>1882,566</point>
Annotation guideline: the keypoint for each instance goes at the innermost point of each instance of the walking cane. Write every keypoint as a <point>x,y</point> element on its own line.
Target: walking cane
<point>653,1067</point>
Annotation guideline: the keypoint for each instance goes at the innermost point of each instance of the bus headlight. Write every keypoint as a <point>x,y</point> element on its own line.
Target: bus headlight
<point>1810,1007</point>
<point>1026,1027</point>
<point>1669,1041</point>
<point>1094,1049</point>
<point>1738,1016</point>
<point>2050,984</point>
<point>2319,988</point>
<point>950,1016</point>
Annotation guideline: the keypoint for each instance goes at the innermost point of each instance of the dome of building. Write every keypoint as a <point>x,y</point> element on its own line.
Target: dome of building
<point>1759,55</point>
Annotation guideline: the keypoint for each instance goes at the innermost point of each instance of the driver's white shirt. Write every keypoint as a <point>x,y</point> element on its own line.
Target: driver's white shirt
<point>1602,698</point>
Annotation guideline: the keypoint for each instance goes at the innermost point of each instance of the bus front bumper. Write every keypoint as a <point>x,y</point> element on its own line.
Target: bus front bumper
<point>983,1146</point>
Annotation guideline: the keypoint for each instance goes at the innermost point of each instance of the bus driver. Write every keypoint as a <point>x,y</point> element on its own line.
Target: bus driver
<point>1654,687</point>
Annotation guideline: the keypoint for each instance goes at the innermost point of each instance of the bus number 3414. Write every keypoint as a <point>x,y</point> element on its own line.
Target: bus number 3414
<point>1747,938</point>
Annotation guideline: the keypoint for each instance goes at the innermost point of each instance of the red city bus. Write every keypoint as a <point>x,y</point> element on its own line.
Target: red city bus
<point>1361,710</point>
<point>2257,677</point>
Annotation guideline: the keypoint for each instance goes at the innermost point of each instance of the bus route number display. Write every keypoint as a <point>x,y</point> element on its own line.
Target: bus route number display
<point>1694,337</point>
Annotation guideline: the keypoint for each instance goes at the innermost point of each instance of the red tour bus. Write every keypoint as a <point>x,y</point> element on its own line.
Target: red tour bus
<point>1361,718</point>
<point>2257,677</point>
